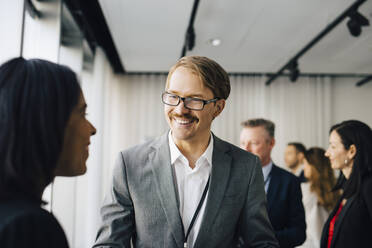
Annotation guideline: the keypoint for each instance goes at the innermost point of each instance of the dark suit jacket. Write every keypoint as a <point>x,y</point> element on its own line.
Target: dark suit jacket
<point>301,177</point>
<point>285,208</point>
<point>142,207</point>
<point>23,223</point>
<point>353,227</point>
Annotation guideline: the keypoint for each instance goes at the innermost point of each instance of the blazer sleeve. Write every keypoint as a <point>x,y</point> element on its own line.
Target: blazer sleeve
<point>117,213</point>
<point>367,192</point>
<point>294,234</point>
<point>255,226</point>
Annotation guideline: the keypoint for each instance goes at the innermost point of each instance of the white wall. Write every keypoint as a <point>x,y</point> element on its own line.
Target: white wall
<point>11,23</point>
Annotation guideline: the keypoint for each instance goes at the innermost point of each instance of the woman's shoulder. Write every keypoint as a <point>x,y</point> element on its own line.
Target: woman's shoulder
<point>23,223</point>
<point>367,186</point>
<point>19,209</point>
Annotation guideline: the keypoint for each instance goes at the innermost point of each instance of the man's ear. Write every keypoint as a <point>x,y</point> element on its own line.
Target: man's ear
<point>220,105</point>
<point>300,156</point>
<point>272,142</point>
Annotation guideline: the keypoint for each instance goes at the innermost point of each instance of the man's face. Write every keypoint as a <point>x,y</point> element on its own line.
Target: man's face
<point>186,124</point>
<point>257,141</point>
<point>291,156</point>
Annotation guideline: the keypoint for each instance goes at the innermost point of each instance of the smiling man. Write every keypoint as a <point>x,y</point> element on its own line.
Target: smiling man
<point>187,188</point>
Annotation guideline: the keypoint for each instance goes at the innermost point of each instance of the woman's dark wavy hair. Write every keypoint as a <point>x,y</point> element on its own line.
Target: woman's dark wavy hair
<point>353,132</point>
<point>36,100</point>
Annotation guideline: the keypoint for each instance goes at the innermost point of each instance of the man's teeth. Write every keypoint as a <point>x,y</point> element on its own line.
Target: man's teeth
<point>182,121</point>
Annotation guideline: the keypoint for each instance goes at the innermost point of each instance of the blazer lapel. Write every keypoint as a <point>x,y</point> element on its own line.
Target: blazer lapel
<point>340,218</point>
<point>220,174</point>
<point>273,188</point>
<point>161,168</point>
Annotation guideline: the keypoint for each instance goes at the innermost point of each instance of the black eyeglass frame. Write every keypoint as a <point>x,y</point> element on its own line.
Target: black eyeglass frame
<point>185,99</point>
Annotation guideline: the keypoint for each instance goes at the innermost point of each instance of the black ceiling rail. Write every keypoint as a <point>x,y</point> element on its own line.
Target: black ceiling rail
<point>262,74</point>
<point>189,41</point>
<point>364,81</point>
<point>30,7</point>
<point>325,31</point>
<point>91,21</point>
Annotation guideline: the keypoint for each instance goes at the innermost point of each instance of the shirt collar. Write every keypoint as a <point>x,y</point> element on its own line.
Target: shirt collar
<point>299,170</point>
<point>176,153</point>
<point>267,169</point>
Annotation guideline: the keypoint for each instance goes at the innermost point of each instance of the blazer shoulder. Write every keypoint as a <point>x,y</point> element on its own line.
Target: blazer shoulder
<point>142,148</point>
<point>235,152</point>
<point>30,224</point>
<point>284,174</point>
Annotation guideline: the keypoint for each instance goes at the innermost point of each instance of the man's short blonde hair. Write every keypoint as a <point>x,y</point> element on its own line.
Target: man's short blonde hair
<point>210,73</point>
<point>268,125</point>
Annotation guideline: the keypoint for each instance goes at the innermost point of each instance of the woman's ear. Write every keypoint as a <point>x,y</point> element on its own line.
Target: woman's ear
<point>352,152</point>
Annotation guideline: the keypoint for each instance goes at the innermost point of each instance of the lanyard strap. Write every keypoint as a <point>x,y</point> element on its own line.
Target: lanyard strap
<point>196,212</point>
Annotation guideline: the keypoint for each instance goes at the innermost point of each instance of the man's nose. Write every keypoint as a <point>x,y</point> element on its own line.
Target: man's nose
<point>180,108</point>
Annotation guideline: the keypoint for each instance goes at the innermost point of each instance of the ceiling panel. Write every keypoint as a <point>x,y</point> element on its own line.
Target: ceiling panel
<point>256,35</point>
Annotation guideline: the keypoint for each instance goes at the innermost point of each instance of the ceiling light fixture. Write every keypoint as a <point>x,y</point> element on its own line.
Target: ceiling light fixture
<point>294,71</point>
<point>356,22</point>
<point>214,42</point>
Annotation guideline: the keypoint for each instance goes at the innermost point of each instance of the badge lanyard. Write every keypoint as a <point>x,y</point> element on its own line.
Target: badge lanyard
<point>196,213</point>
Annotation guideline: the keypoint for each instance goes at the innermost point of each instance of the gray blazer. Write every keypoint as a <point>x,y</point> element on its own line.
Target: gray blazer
<point>142,204</point>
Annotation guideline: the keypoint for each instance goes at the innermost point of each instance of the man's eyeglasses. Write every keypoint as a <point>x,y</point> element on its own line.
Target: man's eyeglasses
<point>189,102</point>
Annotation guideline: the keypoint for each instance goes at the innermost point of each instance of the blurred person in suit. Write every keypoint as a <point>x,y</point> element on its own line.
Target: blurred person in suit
<point>317,195</point>
<point>350,222</point>
<point>187,188</point>
<point>294,157</point>
<point>44,134</point>
<point>283,192</point>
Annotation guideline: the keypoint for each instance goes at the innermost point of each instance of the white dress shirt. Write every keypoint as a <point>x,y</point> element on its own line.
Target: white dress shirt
<point>190,185</point>
<point>266,174</point>
<point>299,170</point>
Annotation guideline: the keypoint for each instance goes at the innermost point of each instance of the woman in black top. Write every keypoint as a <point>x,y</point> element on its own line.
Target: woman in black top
<point>43,134</point>
<point>350,151</point>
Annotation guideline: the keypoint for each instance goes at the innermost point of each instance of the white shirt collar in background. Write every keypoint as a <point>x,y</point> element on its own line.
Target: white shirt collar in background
<point>299,170</point>
<point>266,172</point>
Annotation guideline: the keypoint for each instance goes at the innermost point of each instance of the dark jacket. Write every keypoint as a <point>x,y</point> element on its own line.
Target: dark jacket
<point>353,227</point>
<point>285,208</point>
<point>23,223</point>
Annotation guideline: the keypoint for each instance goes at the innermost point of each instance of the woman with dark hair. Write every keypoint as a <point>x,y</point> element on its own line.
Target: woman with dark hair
<point>350,151</point>
<point>43,134</point>
<point>317,195</point>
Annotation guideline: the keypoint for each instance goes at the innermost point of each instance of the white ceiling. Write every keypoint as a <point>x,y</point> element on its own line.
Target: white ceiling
<point>258,36</point>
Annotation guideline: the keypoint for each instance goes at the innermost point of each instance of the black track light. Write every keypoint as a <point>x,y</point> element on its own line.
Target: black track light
<point>294,72</point>
<point>356,22</point>
<point>190,39</point>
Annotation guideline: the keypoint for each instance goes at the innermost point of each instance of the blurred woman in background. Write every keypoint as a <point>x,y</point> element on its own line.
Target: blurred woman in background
<point>350,151</point>
<point>318,197</point>
<point>43,134</point>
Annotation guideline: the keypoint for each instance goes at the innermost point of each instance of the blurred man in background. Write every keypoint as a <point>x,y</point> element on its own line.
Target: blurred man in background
<point>284,197</point>
<point>294,156</point>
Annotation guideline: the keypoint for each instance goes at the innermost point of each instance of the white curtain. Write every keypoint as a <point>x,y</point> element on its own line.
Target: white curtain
<point>301,110</point>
